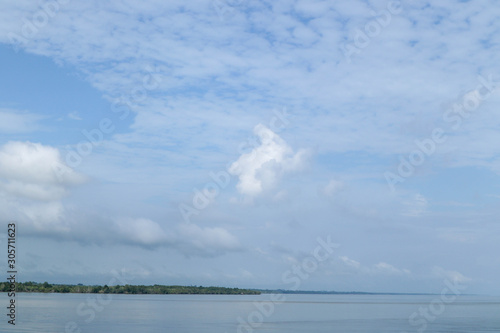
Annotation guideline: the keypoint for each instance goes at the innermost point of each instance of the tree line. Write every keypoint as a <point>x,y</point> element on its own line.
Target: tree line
<point>46,287</point>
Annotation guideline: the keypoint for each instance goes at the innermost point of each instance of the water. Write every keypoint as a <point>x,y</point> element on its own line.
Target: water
<point>56,313</point>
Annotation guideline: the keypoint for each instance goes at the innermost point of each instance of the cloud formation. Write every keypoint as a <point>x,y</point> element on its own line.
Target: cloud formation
<point>34,181</point>
<point>217,75</point>
<point>261,169</point>
<point>141,231</point>
<point>382,268</point>
<point>30,170</point>
<point>451,275</point>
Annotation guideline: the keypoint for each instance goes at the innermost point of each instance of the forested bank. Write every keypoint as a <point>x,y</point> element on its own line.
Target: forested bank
<point>123,289</point>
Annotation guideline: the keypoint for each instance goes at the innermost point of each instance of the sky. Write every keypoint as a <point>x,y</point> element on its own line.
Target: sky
<point>313,145</point>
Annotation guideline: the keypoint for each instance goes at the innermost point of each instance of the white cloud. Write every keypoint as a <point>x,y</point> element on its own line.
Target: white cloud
<point>34,171</point>
<point>41,217</point>
<point>453,276</point>
<point>350,262</point>
<point>33,182</point>
<point>385,268</point>
<point>74,115</point>
<point>186,239</point>
<point>382,268</point>
<point>261,168</point>
<point>141,231</point>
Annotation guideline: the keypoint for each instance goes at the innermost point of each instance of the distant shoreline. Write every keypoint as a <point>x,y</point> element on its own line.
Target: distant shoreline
<point>312,292</point>
<point>35,287</point>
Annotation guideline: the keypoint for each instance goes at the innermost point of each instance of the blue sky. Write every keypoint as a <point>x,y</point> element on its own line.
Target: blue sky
<point>213,142</point>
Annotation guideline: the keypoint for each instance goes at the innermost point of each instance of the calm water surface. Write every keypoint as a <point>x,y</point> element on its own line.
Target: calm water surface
<point>229,313</point>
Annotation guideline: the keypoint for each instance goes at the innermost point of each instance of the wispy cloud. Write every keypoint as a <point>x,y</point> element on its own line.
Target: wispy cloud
<point>74,115</point>
<point>453,276</point>
<point>381,268</point>
<point>16,121</point>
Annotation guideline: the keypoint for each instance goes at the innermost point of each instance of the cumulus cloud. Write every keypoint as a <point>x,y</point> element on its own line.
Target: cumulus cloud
<point>32,185</point>
<point>261,168</point>
<point>44,218</point>
<point>34,171</point>
<point>187,239</point>
<point>34,181</point>
<point>141,231</point>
